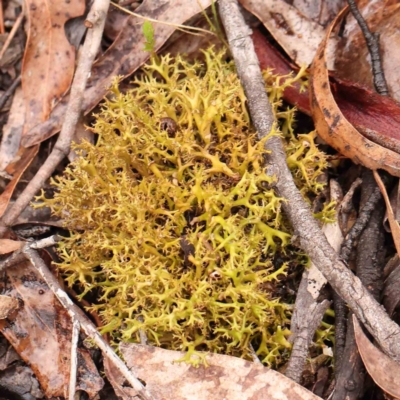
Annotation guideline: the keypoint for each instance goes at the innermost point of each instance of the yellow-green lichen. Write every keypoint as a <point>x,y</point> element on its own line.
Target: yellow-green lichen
<point>172,218</point>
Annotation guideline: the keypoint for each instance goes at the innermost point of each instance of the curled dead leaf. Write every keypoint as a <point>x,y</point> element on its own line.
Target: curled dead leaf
<point>384,371</point>
<point>332,125</point>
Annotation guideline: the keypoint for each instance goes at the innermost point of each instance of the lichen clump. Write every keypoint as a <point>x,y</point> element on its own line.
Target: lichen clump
<point>172,218</point>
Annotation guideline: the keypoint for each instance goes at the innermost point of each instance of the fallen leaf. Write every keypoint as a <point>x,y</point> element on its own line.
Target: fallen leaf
<point>225,378</point>
<point>40,332</point>
<point>16,169</point>
<point>320,11</point>
<point>8,245</point>
<point>394,225</point>
<point>115,22</point>
<point>384,371</point>
<point>12,131</point>
<point>298,35</point>
<point>335,129</point>
<point>8,305</point>
<point>123,57</point>
<point>49,59</point>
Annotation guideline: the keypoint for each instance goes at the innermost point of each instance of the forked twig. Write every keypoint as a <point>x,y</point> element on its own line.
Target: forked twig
<point>87,326</point>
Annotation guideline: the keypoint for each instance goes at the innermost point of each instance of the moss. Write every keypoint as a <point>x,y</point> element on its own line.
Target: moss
<point>173,219</point>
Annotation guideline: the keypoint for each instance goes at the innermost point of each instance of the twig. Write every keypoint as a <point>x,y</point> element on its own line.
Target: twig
<point>17,256</point>
<point>370,257</point>
<point>308,308</point>
<point>360,224</point>
<point>339,304</point>
<point>12,33</point>
<point>346,204</point>
<point>372,40</point>
<point>74,360</point>
<point>95,20</point>
<point>312,240</point>
<point>77,315</point>
<point>184,28</point>
<point>9,91</point>
<point>254,355</point>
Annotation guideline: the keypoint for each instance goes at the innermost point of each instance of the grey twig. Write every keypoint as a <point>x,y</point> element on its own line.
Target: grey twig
<point>9,91</point>
<point>77,315</point>
<point>74,360</point>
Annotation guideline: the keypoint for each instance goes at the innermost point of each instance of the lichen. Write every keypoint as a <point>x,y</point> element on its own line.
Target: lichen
<point>172,219</point>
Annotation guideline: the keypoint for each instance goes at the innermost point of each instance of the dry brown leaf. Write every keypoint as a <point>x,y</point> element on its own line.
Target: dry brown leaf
<point>16,169</point>
<point>394,225</point>
<point>12,131</point>
<point>298,35</point>
<point>384,371</point>
<point>8,245</point>
<point>49,58</point>
<point>335,129</point>
<point>40,332</point>
<point>8,305</point>
<point>123,57</point>
<point>226,377</point>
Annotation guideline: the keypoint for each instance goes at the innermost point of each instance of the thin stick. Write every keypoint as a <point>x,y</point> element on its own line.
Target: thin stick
<point>372,40</point>
<point>77,315</point>
<point>9,91</point>
<point>12,33</point>
<point>360,224</point>
<point>183,28</point>
<point>95,20</point>
<point>74,360</point>
<point>312,240</point>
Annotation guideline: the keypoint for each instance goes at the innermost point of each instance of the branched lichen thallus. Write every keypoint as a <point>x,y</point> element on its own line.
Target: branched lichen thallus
<point>171,216</point>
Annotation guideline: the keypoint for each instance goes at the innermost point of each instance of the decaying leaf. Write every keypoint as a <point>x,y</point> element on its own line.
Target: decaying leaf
<point>8,305</point>
<point>8,245</point>
<point>40,332</point>
<point>335,129</point>
<point>298,35</point>
<point>384,371</point>
<point>123,57</point>
<point>12,131</point>
<point>16,169</point>
<point>49,58</point>
<point>394,225</point>
<point>320,11</point>
<point>225,378</point>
